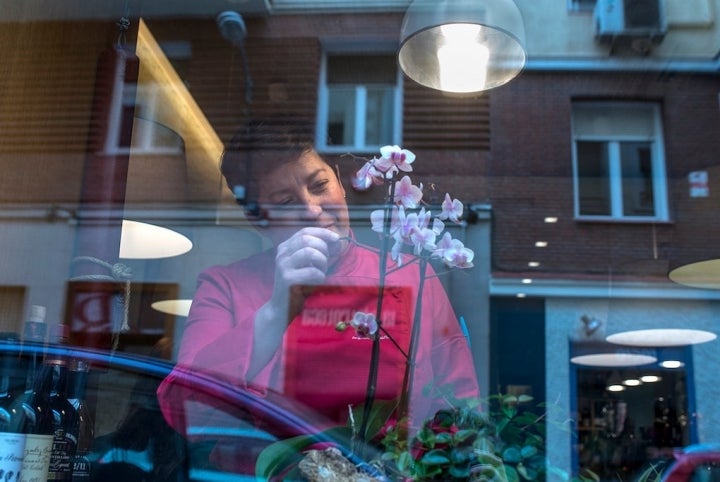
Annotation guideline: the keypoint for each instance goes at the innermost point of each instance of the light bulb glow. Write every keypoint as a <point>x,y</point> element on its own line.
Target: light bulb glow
<point>615,388</point>
<point>672,364</point>
<point>462,59</point>
<point>632,382</point>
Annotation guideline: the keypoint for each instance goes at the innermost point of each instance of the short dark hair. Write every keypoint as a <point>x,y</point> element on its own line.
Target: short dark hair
<point>256,150</point>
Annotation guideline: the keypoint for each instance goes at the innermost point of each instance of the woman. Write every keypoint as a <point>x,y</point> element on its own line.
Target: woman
<point>269,321</point>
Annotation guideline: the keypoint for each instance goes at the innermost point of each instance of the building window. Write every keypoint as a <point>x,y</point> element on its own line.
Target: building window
<point>359,102</point>
<point>619,168</point>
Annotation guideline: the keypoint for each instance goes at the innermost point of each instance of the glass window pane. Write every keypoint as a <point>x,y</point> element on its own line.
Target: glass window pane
<point>613,120</point>
<point>593,178</point>
<point>379,116</point>
<point>361,69</point>
<point>341,116</point>
<point>637,179</point>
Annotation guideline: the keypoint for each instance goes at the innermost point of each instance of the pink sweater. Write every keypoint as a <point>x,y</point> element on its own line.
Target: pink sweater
<point>317,365</point>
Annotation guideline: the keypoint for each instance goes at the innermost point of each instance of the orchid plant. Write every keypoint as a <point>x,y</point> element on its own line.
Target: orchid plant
<point>409,233</point>
<point>404,224</point>
<point>417,229</point>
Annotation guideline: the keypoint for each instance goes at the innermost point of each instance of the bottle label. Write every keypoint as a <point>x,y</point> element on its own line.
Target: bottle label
<point>61,458</point>
<point>37,458</point>
<point>12,451</point>
<point>81,468</point>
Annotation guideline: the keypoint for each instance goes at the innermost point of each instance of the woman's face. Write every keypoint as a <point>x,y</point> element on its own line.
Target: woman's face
<point>300,193</point>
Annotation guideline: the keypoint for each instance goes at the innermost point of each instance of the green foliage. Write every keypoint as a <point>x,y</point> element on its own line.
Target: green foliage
<point>499,439</point>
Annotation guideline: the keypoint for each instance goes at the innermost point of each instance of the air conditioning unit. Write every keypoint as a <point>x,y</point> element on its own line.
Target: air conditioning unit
<point>629,19</point>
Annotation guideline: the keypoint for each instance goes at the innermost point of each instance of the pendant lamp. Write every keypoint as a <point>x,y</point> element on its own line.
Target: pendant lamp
<point>462,46</point>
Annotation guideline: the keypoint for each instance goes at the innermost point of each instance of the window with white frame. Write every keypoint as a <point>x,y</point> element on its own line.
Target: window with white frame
<point>619,162</point>
<point>359,102</point>
<point>134,107</point>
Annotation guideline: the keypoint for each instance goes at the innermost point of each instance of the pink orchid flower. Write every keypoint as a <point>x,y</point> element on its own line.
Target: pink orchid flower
<point>377,220</point>
<point>452,209</point>
<point>394,158</point>
<point>366,177</point>
<point>365,324</point>
<point>454,253</point>
<point>407,194</point>
<point>406,225</point>
<point>423,239</point>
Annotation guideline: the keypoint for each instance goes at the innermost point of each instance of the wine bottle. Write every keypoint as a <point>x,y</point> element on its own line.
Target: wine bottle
<point>85,431</point>
<point>65,421</point>
<point>33,406</point>
<point>12,441</point>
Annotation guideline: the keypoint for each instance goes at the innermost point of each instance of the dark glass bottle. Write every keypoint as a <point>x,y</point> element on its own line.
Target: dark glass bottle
<point>33,405</point>
<point>12,442</point>
<point>36,423</point>
<point>65,421</point>
<point>85,430</point>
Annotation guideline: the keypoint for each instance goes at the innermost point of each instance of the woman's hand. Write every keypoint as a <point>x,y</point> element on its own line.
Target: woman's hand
<point>301,262</point>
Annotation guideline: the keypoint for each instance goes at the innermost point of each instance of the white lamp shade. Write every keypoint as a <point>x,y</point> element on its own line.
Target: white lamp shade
<point>173,307</point>
<point>147,241</point>
<point>613,359</point>
<point>660,337</point>
<point>462,46</point>
<point>700,274</point>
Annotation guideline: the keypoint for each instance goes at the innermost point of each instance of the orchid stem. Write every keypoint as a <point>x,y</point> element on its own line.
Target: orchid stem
<point>375,354</point>
<point>415,333</point>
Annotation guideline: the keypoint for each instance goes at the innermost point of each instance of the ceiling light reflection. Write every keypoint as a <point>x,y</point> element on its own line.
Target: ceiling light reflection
<point>632,382</point>
<point>613,359</point>
<point>140,240</point>
<point>662,337</point>
<point>672,364</point>
<point>173,307</point>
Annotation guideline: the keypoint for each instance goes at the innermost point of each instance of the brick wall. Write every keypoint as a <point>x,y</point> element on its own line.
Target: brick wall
<point>530,169</point>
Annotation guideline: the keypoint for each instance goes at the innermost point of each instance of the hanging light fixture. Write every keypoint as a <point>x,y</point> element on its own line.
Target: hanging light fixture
<point>603,354</point>
<point>660,337</point>
<point>462,46</point>
<point>179,307</point>
<point>140,240</point>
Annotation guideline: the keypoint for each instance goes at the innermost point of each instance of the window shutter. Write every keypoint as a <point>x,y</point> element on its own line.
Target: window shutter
<point>433,120</point>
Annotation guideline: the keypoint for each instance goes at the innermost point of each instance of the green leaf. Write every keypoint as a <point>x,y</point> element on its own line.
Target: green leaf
<point>460,471</point>
<point>405,461</point>
<point>511,455</point>
<point>443,438</point>
<point>511,474</point>
<point>426,437</point>
<point>462,435</point>
<point>379,415</point>
<point>526,472</point>
<point>435,457</point>
<point>459,456</point>
<point>528,451</point>
<point>486,458</point>
<point>277,457</point>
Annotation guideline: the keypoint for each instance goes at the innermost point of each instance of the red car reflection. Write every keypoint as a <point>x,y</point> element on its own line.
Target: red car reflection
<point>134,443</point>
<point>694,463</point>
